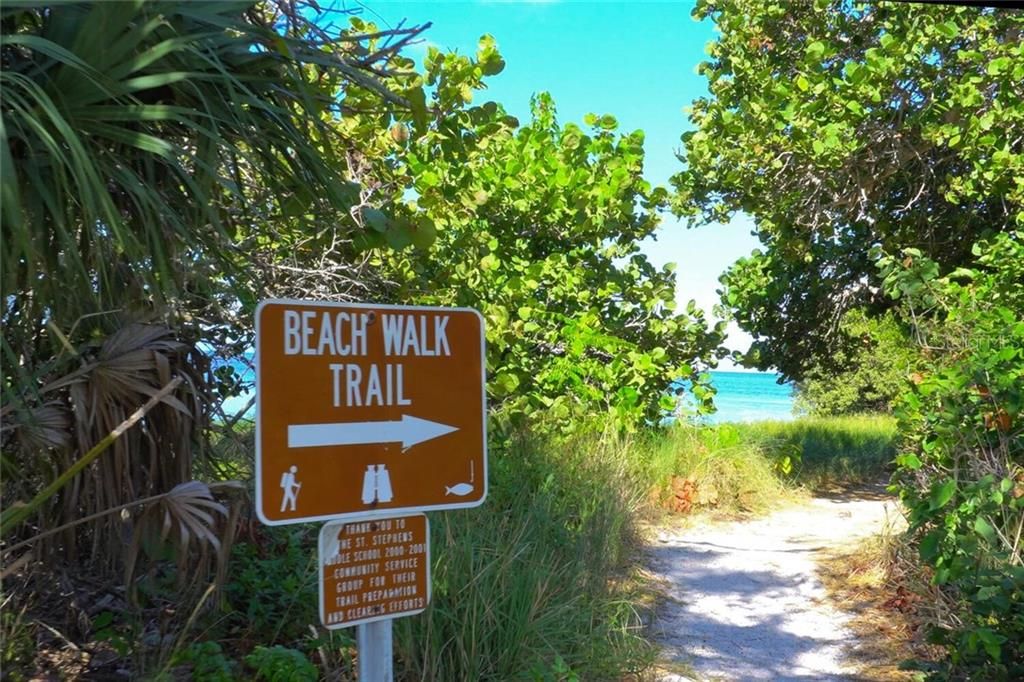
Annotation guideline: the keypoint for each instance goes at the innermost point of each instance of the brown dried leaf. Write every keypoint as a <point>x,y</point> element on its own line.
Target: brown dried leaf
<point>190,504</point>
<point>137,336</point>
<point>46,427</point>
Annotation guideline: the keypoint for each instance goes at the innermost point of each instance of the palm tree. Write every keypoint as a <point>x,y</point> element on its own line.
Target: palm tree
<point>145,147</point>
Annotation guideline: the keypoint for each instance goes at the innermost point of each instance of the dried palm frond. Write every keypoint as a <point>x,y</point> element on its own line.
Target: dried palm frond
<point>190,522</point>
<point>46,427</point>
<point>187,518</point>
<point>146,150</point>
<point>188,509</point>
<point>76,411</point>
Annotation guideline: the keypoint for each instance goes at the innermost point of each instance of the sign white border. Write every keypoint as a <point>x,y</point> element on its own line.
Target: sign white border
<point>390,510</point>
<point>320,568</point>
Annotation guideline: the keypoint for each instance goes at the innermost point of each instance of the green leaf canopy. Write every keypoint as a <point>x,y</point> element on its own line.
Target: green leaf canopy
<point>840,127</point>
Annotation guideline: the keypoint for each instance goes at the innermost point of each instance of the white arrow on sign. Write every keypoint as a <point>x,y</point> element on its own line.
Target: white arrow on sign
<point>408,431</point>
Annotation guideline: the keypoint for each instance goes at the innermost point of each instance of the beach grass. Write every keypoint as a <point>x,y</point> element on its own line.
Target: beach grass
<point>714,467</point>
<point>751,467</point>
<point>880,583</point>
<point>544,580</point>
<point>829,451</point>
<point>539,582</point>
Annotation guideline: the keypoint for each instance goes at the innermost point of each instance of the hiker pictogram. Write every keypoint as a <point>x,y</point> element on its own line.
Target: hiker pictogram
<point>291,488</point>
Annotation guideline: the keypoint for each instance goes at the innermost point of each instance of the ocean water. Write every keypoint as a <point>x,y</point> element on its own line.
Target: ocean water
<point>750,396</point>
<point>744,397</point>
<point>246,374</point>
<point>741,397</point>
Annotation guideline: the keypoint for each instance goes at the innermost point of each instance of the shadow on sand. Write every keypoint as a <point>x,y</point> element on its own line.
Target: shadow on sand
<point>745,599</point>
<point>858,491</point>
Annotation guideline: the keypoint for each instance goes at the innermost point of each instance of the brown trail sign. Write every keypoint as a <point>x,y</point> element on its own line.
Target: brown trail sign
<point>373,569</point>
<point>364,408</point>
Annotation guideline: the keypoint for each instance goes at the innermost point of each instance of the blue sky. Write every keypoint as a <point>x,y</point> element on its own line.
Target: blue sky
<point>634,60</point>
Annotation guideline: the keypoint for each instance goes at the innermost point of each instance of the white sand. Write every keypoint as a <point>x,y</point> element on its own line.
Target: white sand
<point>744,601</point>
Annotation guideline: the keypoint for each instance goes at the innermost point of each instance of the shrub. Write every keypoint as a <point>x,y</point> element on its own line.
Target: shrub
<point>962,468</point>
<point>872,369</point>
<point>271,595</point>
<point>281,664</point>
<point>207,663</point>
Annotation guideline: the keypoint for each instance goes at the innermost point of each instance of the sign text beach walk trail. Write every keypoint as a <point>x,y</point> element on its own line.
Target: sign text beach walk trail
<point>366,408</point>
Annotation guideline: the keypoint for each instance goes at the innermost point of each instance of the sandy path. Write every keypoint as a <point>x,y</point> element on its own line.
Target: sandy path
<point>744,601</point>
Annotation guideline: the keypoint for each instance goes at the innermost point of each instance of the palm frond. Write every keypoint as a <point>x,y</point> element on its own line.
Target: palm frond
<point>54,424</point>
<point>146,149</point>
<point>141,140</point>
<point>45,427</point>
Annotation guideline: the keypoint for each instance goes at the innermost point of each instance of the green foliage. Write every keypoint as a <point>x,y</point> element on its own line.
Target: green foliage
<point>131,170</point>
<point>867,375</point>
<point>556,672</point>
<point>962,470</point>
<point>538,226</point>
<point>281,664</point>
<point>150,155</point>
<point>838,126</point>
<point>271,594</point>
<point>118,637</point>
<point>535,582</point>
<point>17,645</point>
<point>207,663</point>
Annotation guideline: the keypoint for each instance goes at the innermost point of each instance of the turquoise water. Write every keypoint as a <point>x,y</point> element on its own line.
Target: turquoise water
<point>741,397</point>
<point>246,374</point>
<point>750,396</point>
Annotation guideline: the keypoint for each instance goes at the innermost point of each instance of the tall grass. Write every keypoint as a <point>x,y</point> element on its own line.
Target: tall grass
<point>537,580</point>
<point>724,470</point>
<point>750,467</point>
<point>540,582</point>
<point>829,451</point>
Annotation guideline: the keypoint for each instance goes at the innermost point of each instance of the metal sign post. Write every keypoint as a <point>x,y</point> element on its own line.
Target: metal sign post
<point>376,662</point>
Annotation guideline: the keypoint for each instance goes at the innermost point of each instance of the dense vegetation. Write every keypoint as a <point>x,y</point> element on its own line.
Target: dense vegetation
<point>210,205</point>
<point>839,127</point>
<point>961,473</point>
<point>538,226</point>
<point>868,374</point>
<point>166,165</point>
<point>137,194</point>
<point>541,231</point>
<point>880,150</point>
